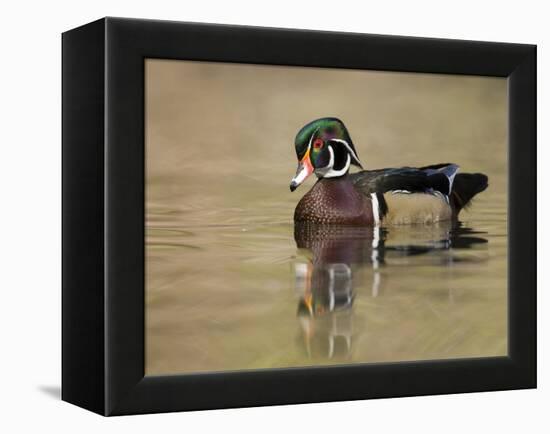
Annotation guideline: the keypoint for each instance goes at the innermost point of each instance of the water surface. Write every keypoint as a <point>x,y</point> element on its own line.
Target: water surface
<point>228,290</point>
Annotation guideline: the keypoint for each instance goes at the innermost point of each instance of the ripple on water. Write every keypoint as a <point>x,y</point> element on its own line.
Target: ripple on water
<point>246,290</point>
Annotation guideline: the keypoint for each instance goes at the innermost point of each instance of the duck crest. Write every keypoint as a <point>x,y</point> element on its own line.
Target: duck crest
<point>334,201</point>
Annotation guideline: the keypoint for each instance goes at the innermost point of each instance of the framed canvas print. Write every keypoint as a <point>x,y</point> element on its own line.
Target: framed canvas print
<point>257,216</point>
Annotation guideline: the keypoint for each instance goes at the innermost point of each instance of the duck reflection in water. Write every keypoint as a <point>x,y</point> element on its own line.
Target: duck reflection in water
<point>327,281</point>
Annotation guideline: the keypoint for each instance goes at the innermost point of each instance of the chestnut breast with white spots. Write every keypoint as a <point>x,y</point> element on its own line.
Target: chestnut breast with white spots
<point>334,201</point>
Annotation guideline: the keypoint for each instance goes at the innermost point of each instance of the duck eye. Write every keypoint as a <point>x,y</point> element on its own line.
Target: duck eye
<point>317,144</point>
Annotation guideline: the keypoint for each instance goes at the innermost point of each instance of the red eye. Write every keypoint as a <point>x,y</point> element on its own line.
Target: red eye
<point>317,144</point>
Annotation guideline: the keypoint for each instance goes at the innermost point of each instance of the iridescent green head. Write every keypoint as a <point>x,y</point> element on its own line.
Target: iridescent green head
<point>323,146</point>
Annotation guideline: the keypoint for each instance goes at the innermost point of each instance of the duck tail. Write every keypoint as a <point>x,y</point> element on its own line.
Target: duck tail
<point>465,187</point>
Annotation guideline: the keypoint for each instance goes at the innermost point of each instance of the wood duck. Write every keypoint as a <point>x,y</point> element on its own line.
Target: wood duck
<point>391,196</point>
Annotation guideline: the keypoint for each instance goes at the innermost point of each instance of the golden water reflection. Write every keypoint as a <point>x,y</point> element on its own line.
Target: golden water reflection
<point>255,296</point>
<point>327,281</point>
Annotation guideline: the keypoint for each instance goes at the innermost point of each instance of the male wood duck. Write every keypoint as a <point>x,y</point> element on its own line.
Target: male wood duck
<point>405,195</point>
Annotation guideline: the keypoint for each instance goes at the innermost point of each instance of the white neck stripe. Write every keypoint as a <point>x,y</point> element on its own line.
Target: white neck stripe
<point>331,173</point>
<point>346,144</point>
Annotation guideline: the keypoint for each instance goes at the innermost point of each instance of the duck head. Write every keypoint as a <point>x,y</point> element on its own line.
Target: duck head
<point>323,146</point>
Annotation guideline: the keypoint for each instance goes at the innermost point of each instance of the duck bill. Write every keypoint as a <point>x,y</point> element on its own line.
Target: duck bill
<point>305,169</point>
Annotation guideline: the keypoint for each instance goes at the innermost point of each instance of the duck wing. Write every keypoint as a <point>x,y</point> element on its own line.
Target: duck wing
<point>427,179</point>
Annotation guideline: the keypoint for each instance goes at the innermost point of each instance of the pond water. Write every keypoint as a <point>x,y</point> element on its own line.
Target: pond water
<point>232,284</point>
<point>231,289</point>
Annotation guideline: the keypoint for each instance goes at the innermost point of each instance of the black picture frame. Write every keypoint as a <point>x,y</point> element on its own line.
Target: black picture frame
<point>103,216</point>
